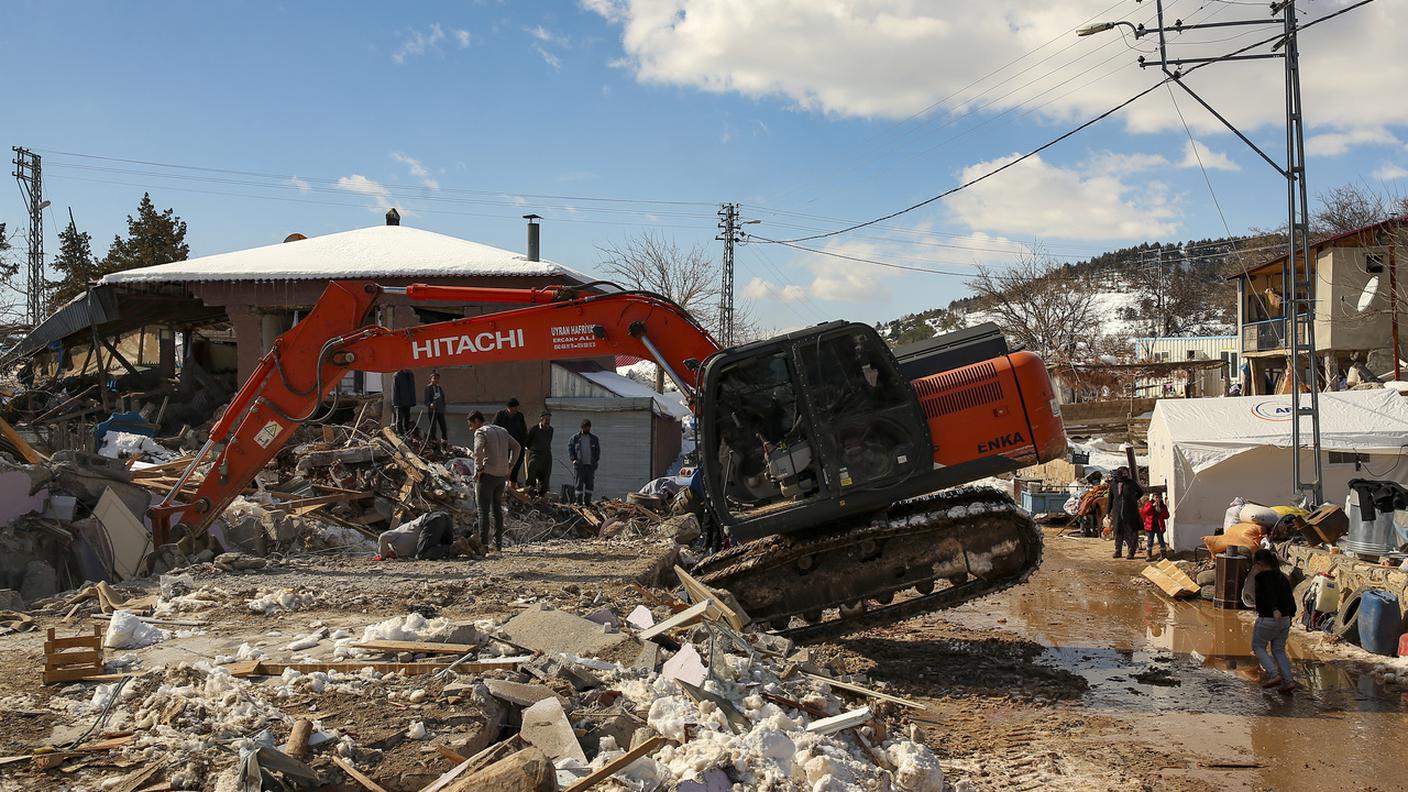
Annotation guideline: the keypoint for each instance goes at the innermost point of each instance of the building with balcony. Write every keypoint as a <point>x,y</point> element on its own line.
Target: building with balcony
<point>1358,307</point>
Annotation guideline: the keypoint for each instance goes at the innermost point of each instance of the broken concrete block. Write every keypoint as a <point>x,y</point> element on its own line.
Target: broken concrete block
<point>545,726</point>
<point>683,529</point>
<point>529,770</point>
<point>620,727</point>
<point>605,618</point>
<point>649,656</point>
<point>711,780</point>
<point>559,632</point>
<point>548,669</point>
<point>522,694</point>
<point>11,600</point>
<point>641,618</point>
<point>15,498</point>
<point>40,581</point>
<point>686,666</point>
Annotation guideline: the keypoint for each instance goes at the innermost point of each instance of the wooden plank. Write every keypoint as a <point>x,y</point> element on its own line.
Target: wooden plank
<point>357,775</point>
<point>66,659</point>
<point>845,720</point>
<point>297,744</point>
<point>1167,583</point>
<point>410,457</point>
<point>419,647</point>
<point>864,691</point>
<point>267,668</point>
<point>451,755</point>
<point>619,763</point>
<point>155,620</point>
<point>719,611</point>
<point>684,618</point>
<point>77,642</point>
<point>26,450</point>
<point>470,765</point>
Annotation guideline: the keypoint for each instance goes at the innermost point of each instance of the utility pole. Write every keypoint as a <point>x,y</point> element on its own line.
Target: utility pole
<point>1297,276</point>
<point>730,233</point>
<point>27,172</point>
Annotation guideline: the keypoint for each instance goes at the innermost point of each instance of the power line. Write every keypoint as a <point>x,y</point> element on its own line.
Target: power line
<point>833,254</point>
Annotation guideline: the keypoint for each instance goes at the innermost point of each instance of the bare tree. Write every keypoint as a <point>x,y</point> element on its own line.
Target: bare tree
<point>1046,307</point>
<point>653,263</point>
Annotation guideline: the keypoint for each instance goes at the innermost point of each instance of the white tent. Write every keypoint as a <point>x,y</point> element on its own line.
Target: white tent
<point>1208,451</point>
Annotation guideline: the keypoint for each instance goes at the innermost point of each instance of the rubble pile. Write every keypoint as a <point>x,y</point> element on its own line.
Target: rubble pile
<point>668,696</point>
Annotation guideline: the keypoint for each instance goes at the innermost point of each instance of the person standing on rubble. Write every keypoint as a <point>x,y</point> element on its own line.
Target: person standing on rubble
<point>495,452</point>
<point>1124,511</point>
<point>539,450</point>
<point>584,452</point>
<point>435,409</point>
<point>403,398</point>
<point>512,420</point>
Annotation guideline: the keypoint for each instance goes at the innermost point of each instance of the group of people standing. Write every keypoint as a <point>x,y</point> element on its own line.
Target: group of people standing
<point>499,458</point>
<point>1132,513</point>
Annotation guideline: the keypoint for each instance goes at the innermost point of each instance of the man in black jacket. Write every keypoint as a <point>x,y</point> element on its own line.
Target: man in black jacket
<point>512,420</point>
<point>539,448</point>
<point>1125,521</point>
<point>435,409</point>
<point>403,398</point>
<point>584,452</point>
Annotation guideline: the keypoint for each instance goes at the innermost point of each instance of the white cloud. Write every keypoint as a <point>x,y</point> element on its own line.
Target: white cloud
<point>546,36</point>
<point>417,170</point>
<point>357,183</point>
<point>1333,144</point>
<point>892,58</point>
<point>1195,152</point>
<point>415,43</point>
<point>1092,200</point>
<point>301,184</point>
<point>1390,171</point>
<point>759,289</point>
<point>548,58</point>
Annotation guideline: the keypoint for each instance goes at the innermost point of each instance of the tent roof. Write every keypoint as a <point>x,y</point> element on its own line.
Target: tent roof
<point>1372,420</point>
<point>376,251</point>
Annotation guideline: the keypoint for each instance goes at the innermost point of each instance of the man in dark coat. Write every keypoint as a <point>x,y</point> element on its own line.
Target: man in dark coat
<point>584,452</point>
<point>539,448</point>
<point>1125,522</point>
<point>435,409</point>
<point>511,419</point>
<point>403,398</point>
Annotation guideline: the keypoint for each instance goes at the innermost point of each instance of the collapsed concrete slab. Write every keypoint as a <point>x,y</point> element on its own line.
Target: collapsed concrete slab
<point>559,632</point>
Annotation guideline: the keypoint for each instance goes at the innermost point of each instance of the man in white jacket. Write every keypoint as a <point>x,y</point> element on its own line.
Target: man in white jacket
<point>495,454</point>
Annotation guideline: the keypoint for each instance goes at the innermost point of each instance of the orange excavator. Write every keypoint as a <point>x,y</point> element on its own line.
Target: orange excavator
<point>834,463</point>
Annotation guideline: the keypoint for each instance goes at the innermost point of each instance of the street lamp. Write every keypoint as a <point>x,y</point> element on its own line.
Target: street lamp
<point>1101,27</point>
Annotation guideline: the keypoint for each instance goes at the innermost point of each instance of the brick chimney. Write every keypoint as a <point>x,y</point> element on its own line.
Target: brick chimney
<point>393,217</point>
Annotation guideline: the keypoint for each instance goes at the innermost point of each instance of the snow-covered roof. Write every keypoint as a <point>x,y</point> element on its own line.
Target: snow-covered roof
<point>667,403</point>
<point>375,252</point>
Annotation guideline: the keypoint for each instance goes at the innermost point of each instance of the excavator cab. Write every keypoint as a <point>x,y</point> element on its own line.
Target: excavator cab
<point>806,427</point>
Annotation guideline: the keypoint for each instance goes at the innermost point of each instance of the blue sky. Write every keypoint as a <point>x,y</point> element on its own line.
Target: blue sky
<point>615,117</point>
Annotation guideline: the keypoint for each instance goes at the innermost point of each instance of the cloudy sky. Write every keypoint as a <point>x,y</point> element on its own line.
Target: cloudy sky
<point>615,117</point>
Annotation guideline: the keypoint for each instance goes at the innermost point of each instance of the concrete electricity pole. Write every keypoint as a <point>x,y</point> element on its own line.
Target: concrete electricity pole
<point>31,179</point>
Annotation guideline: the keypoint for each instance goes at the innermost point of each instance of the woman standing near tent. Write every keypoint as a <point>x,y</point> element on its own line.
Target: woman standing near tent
<point>1269,591</point>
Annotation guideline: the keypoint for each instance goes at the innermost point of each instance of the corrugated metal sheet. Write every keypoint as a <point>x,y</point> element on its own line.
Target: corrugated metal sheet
<point>96,307</point>
<point>624,428</point>
<point>1174,349</point>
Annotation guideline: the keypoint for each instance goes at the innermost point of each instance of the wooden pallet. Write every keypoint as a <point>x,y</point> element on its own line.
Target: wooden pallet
<point>78,657</point>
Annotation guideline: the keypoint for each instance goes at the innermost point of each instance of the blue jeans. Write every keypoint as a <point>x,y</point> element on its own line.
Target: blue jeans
<point>1269,632</point>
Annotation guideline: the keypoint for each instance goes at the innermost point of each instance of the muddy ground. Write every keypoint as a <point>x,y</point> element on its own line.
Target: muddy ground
<point>1087,678</point>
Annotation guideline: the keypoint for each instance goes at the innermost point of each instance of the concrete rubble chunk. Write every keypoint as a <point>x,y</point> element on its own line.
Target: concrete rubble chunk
<point>40,581</point>
<point>546,727</point>
<point>11,600</point>
<point>520,693</point>
<point>712,780</point>
<point>529,770</point>
<point>620,726</point>
<point>605,618</point>
<point>685,666</point>
<point>559,632</point>
<point>649,656</point>
<point>641,618</point>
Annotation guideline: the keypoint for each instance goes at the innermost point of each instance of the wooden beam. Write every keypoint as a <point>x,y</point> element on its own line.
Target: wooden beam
<point>719,611</point>
<point>864,691</point>
<point>249,668</point>
<point>427,647</point>
<point>684,618</point>
<point>620,763</point>
<point>357,775</point>
<point>25,449</point>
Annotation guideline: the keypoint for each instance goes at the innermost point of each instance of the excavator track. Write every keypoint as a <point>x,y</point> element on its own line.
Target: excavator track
<point>920,555</point>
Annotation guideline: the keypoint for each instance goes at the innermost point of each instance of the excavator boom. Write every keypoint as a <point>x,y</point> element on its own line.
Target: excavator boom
<point>823,453</point>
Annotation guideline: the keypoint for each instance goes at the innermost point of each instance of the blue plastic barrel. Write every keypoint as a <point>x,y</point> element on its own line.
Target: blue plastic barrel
<point>1380,622</point>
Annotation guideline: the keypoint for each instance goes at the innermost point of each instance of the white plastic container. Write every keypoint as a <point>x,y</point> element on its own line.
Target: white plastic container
<point>1327,594</point>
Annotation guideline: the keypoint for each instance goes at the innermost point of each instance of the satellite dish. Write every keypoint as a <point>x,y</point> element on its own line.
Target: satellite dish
<point>1371,290</point>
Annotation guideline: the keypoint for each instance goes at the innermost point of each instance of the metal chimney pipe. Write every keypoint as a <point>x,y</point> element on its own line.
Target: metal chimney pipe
<point>393,217</point>
<point>534,241</point>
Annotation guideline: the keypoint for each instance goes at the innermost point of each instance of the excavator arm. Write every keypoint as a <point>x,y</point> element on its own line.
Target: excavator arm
<point>304,364</point>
